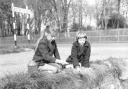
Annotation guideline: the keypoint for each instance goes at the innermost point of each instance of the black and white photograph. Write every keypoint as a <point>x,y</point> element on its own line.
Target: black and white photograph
<point>63,44</point>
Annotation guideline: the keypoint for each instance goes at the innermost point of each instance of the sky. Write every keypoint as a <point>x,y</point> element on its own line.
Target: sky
<point>91,2</point>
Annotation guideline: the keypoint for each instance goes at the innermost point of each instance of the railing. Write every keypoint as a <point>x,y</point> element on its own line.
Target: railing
<point>115,35</point>
<point>95,36</point>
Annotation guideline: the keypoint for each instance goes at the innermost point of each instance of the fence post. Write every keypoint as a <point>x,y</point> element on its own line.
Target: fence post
<point>118,34</point>
<point>29,38</point>
<point>15,40</point>
<point>15,37</point>
<point>99,36</point>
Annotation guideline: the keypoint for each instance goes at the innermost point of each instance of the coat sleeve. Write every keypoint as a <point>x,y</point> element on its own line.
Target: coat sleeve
<point>85,62</point>
<point>56,52</point>
<point>44,52</point>
<point>74,55</point>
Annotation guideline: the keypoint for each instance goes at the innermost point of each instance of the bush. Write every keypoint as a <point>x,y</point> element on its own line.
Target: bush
<point>18,49</point>
<point>76,27</point>
<point>100,75</point>
<point>89,27</point>
<point>116,21</point>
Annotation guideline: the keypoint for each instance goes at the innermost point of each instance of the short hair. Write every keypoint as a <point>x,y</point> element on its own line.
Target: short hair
<point>81,34</point>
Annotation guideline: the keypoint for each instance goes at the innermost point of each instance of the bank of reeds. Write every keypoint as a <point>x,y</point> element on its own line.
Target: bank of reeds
<point>102,74</point>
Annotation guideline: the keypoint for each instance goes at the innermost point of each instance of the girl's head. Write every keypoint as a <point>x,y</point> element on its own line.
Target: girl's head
<point>49,34</point>
<point>81,37</point>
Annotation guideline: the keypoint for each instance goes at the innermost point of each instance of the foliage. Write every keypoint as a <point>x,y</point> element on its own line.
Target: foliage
<point>76,27</point>
<point>53,12</point>
<point>89,27</point>
<point>5,9</point>
<point>5,16</point>
<point>116,21</point>
<point>104,9</point>
<point>102,74</point>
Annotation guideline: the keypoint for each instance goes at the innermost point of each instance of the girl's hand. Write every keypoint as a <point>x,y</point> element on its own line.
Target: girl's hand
<point>78,68</point>
<point>61,62</point>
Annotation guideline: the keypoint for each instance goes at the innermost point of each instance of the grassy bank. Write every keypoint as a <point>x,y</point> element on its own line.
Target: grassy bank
<point>103,74</point>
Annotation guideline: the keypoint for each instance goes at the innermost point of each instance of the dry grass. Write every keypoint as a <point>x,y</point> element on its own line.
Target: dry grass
<point>12,49</point>
<point>101,75</point>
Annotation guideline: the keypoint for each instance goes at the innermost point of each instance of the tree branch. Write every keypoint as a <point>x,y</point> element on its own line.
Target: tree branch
<point>69,3</point>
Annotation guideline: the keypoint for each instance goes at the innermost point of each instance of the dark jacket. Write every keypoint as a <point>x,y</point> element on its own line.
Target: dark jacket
<point>80,54</point>
<point>45,52</point>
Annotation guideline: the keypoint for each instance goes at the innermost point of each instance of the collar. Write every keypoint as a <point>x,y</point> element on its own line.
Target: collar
<point>85,44</point>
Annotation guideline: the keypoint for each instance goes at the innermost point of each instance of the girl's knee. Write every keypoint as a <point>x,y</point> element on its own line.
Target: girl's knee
<point>69,66</point>
<point>48,68</point>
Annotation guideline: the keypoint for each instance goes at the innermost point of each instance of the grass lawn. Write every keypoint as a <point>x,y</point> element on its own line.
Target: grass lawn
<point>17,61</point>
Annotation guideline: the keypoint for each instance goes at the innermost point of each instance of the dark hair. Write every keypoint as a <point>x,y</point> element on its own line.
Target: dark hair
<point>47,29</point>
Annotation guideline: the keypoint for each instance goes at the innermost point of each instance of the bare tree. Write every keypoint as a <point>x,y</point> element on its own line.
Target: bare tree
<point>105,10</point>
<point>59,12</point>
<point>75,10</point>
<point>61,8</point>
<point>65,7</point>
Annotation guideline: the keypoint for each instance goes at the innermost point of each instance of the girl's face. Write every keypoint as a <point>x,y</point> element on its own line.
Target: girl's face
<point>81,41</point>
<point>50,37</point>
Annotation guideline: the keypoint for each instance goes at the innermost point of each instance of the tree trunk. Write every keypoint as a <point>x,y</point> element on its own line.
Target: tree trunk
<point>65,20</point>
<point>105,23</point>
<point>65,16</point>
<point>118,6</point>
<point>80,14</point>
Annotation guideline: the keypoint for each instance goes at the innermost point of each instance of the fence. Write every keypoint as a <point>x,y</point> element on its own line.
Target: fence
<point>113,35</point>
<point>99,36</point>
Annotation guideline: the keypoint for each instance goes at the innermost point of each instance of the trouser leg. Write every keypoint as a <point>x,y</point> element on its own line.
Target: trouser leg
<point>51,67</point>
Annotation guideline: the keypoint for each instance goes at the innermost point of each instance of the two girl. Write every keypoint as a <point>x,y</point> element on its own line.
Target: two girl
<point>47,57</point>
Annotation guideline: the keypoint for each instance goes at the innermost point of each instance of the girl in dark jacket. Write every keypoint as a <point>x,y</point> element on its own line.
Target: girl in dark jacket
<point>46,56</point>
<point>80,52</point>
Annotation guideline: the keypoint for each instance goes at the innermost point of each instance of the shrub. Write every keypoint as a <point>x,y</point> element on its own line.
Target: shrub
<point>116,21</point>
<point>76,27</point>
<point>101,75</point>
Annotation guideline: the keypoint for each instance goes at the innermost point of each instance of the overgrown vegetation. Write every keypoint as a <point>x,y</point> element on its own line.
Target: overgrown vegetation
<point>12,49</point>
<point>115,21</point>
<point>102,74</point>
<point>76,27</point>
